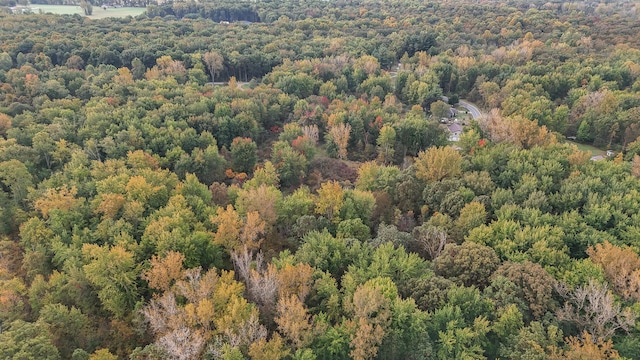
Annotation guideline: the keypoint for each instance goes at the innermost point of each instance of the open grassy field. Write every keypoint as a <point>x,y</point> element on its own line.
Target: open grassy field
<point>583,147</point>
<point>98,12</point>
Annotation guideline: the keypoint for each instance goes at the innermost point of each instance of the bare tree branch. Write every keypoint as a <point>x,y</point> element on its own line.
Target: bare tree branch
<point>593,309</point>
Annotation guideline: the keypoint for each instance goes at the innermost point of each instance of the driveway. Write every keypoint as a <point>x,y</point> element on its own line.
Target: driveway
<point>475,112</point>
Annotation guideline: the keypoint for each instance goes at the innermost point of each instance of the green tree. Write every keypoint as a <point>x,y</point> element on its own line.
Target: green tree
<point>472,215</point>
<point>138,69</point>
<point>375,177</point>
<point>265,174</point>
<point>353,228</point>
<point>535,287</point>
<point>458,339</point>
<point>23,340</point>
<point>67,326</point>
<point>6,63</point>
<point>244,153</point>
<point>440,109</point>
<point>45,146</point>
<point>407,336</point>
<point>532,342</point>
<point>584,131</point>
<point>386,144</point>
<point>468,264</point>
<point>324,252</point>
<point>415,133</point>
<point>293,206</point>
<point>113,271</point>
<point>290,164</point>
<point>15,175</point>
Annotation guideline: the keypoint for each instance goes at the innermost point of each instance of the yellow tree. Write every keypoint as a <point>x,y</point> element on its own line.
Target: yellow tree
<point>330,200</point>
<point>367,63</point>
<point>252,230</point>
<point>57,199</point>
<point>12,298</point>
<point>102,354</point>
<point>5,124</point>
<point>438,163</point>
<point>235,232</point>
<point>586,348</point>
<point>164,271</point>
<point>268,350</point>
<point>229,224</point>
<point>295,280</point>
<point>371,309</point>
<point>340,134</point>
<point>294,322</point>
<point>621,268</point>
<point>527,134</point>
<point>516,129</point>
<point>635,166</point>
<point>367,175</point>
<point>261,199</point>
<point>124,77</point>
<point>109,204</point>
<point>199,308</point>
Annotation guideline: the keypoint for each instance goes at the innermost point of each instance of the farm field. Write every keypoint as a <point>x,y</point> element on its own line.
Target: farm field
<point>98,12</point>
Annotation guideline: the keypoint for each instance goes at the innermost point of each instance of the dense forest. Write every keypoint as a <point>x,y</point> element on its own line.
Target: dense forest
<point>273,180</point>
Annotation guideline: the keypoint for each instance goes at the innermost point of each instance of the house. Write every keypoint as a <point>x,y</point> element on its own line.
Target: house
<point>23,10</point>
<point>453,112</point>
<point>455,130</point>
<point>610,153</point>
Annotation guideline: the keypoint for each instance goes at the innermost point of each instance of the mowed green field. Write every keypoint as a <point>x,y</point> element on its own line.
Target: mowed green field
<point>98,12</point>
<point>583,147</point>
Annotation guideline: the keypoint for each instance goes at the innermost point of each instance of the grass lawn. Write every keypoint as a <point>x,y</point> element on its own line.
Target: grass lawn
<point>583,147</point>
<point>98,12</point>
<point>461,114</point>
<point>57,9</point>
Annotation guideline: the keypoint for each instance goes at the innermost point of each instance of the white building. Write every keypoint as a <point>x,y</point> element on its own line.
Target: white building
<point>455,130</point>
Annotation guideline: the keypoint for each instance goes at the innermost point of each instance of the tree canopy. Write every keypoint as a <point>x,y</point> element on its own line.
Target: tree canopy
<point>275,180</point>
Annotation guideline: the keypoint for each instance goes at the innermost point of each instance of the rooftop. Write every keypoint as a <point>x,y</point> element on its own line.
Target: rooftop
<point>455,127</point>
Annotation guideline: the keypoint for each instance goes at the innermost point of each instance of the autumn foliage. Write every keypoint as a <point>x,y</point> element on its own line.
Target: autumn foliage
<point>314,207</point>
<point>621,268</point>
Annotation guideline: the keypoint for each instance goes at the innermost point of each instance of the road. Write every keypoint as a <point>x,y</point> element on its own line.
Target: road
<point>475,112</point>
